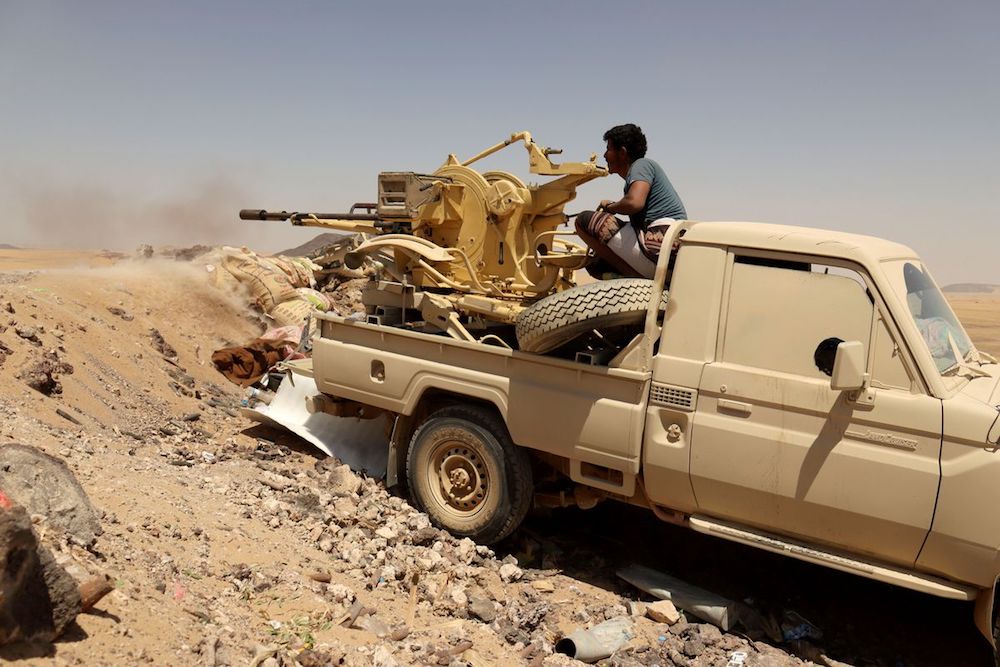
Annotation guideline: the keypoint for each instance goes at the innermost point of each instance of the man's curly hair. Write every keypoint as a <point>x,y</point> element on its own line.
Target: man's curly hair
<point>629,137</point>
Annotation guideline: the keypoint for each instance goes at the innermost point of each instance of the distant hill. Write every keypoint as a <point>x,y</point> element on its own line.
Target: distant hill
<point>977,288</point>
<point>7,246</point>
<point>309,247</point>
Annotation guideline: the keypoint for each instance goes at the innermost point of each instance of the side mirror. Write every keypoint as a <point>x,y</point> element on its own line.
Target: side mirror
<point>849,367</point>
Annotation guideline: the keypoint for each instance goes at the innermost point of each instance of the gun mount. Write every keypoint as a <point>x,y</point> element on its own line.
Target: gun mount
<point>485,243</point>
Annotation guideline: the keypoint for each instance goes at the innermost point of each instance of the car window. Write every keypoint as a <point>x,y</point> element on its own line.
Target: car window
<point>789,316</point>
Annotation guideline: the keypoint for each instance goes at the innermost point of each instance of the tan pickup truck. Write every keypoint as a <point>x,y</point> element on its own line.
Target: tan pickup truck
<point>806,392</point>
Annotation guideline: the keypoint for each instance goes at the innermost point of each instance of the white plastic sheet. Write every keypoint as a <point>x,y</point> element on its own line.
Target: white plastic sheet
<point>363,444</point>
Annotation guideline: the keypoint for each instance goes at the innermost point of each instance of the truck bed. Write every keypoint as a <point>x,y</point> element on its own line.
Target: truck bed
<point>587,414</point>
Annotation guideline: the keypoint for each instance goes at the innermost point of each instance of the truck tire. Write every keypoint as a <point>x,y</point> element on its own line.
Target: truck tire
<point>464,471</point>
<point>561,317</point>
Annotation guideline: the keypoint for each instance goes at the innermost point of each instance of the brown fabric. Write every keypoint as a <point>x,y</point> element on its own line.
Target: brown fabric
<point>651,239</point>
<point>245,365</point>
<point>600,225</point>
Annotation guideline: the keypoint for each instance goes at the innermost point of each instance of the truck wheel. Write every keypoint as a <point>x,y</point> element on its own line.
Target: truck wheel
<point>561,317</point>
<point>467,475</point>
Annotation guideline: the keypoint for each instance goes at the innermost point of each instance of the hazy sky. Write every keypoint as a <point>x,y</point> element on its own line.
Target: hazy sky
<point>130,122</point>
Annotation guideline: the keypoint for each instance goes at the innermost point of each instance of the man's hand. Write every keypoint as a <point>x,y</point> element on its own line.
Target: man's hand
<point>605,203</point>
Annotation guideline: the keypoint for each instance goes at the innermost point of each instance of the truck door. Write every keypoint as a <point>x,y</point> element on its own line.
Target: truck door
<point>775,447</point>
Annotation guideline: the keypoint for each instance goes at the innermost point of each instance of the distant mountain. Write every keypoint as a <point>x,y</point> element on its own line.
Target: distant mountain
<point>309,247</point>
<point>7,246</point>
<point>969,288</point>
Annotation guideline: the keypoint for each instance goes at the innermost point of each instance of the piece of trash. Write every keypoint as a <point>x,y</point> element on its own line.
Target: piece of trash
<point>736,658</point>
<point>706,605</point>
<point>351,440</point>
<point>68,417</point>
<point>598,642</point>
<point>275,624</point>
<point>794,626</point>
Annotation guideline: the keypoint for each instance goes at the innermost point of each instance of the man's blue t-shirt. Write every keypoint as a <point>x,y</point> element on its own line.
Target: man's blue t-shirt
<point>662,202</point>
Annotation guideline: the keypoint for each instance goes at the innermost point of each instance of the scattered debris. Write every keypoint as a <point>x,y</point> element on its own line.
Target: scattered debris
<point>67,416</point>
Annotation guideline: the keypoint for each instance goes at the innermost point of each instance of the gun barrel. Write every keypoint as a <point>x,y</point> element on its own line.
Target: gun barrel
<point>261,214</point>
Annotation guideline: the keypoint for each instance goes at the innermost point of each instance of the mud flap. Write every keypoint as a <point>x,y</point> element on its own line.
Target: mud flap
<point>984,614</point>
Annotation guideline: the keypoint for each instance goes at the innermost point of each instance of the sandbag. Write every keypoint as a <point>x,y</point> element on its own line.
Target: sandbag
<point>220,278</point>
<point>319,300</point>
<point>292,312</point>
<point>298,269</point>
<point>268,284</point>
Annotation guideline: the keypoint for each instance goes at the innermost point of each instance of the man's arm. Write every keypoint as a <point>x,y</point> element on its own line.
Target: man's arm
<point>633,201</point>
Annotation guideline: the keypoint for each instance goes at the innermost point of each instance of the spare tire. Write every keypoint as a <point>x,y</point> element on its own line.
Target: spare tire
<point>561,317</point>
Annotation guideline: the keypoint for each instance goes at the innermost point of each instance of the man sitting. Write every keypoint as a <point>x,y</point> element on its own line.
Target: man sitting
<point>651,203</point>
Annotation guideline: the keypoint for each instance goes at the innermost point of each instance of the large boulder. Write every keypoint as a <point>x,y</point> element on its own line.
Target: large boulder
<point>45,485</point>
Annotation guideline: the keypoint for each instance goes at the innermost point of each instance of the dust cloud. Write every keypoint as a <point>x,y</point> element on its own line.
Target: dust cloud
<point>93,216</point>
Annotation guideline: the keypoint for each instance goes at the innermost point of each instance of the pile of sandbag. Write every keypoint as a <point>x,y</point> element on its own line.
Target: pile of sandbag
<point>281,287</point>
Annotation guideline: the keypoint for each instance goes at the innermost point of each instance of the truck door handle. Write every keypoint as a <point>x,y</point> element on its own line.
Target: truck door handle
<point>737,407</point>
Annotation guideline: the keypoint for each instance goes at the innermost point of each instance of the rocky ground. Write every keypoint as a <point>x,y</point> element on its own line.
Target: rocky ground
<point>232,544</point>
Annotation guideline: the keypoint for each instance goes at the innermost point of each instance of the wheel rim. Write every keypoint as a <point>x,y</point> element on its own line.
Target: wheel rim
<point>459,477</point>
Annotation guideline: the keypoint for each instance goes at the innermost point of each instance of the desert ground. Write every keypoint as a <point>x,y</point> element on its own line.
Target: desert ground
<point>229,543</point>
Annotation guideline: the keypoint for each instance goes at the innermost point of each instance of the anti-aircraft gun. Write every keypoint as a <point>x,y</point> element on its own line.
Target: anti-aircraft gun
<point>467,250</point>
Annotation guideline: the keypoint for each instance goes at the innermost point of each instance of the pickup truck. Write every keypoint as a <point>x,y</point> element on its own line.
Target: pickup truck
<point>806,392</point>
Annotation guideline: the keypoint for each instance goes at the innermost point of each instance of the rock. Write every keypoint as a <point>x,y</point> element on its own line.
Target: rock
<point>121,312</point>
<point>343,480</point>
<point>341,593</point>
<point>29,334</point>
<point>45,485</point>
<point>374,625</point>
<point>510,573</point>
<point>483,609</point>
<point>465,551</point>
<point>320,576</point>
<point>43,375</point>
<point>615,611</point>
<point>424,536</point>
<point>663,611</point>
<point>709,634</point>
<point>693,648</point>
<point>382,657</point>
<point>543,586</point>
<point>160,345</point>
<point>459,597</point>
<point>38,598</point>
<point>387,532</point>
<point>636,608</point>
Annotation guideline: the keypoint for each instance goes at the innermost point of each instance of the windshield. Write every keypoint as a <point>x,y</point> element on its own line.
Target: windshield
<point>939,328</point>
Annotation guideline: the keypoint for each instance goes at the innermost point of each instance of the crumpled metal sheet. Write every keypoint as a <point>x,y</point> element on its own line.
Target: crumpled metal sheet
<point>363,444</point>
